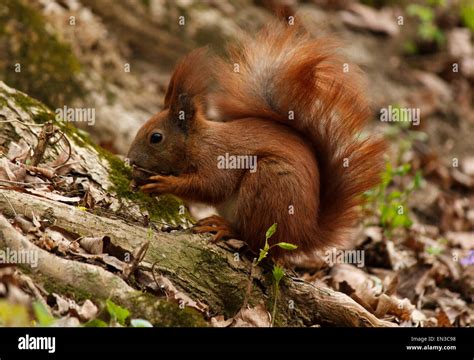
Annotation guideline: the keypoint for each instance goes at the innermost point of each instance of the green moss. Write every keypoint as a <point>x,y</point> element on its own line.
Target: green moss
<point>173,315</point>
<point>3,102</point>
<point>146,3</point>
<point>163,313</point>
<point>37,110</point>
<point>41,118</point>
<point>69,291</point>
<point>48,67</point>
<point>26,102</point>
<point>232,293</point>
<point>158,312</point>
<point>167,208</point>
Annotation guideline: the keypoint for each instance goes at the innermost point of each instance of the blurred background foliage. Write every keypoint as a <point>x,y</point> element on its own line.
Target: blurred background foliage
<point>34,59</point>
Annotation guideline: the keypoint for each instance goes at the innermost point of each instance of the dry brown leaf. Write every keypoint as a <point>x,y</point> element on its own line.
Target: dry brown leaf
<point>435,84</point>
<point>462,179</point>
<point>63,306</point>
<point>181,298</point>
<point>235,244</point>
<point>429,231</point>
<point>467,165</point>
<point>367,18</point>
<point>33,179</point>
<point>18,151</point>
<point>352,275</point>
<point>402,308</point>
<point>61,303</point>
<point>443,320</point>
<point>94,245</point>
<point>88,311</point>
<point>389,278</point>
<point>374,233</point>
<point>465,240</point>
<point>67,321</point>
<point>59,160</point>
<point>467,283</point>
<point>220,322</point>
<point>10,171</point>
<point>66,233</point>
<point>453,266</point>
<point>400,258</point>
<point>52,239</point>
<point>450,303</point>
<point>383,306</point>
<point>257,316</point>
<point>93,196</point>
<point>89,201</point>
<point>459,43</point>
<point>46,172</point>
<point>103,258</point>
<point>413,281</point>
<point>25,224</point>
<point>54,196</point>
<point>418,318</point>
<point>16,295</point>
<point>366,288</point>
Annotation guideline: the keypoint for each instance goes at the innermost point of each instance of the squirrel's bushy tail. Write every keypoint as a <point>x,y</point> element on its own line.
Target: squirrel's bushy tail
<point>284,75</point>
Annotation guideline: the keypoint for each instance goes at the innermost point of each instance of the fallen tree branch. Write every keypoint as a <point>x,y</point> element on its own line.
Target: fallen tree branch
<point>205,271</point>
<point>91,279</point>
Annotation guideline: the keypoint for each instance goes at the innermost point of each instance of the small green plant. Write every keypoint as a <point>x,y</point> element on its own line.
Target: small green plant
<point>427,29</point>
<point>392,204</point>
<point>434,250</point>
<point>118,315</point>
<point>266,249</point>
<point>20,315</point>
<point>116,312</point>
<point>467,14</point>
<point>277,272</point>
<point>34,59</point>
<point>13,314</point>
<point>44,318</point>
<point>438,248</point>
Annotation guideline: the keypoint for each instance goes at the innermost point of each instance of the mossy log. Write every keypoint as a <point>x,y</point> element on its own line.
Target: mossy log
<point>213,274</point>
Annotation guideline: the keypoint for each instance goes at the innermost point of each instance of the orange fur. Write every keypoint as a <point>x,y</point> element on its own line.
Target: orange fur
<point>293,107</point>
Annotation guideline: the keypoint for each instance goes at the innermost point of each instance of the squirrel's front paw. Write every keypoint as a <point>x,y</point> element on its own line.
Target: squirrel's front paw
<point>159,185</point>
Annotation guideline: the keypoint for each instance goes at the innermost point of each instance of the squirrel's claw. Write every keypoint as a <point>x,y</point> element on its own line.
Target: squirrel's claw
<point>160,185</point>
<point>220,232</point>
<point>213,220</point>
<point>214,224</point>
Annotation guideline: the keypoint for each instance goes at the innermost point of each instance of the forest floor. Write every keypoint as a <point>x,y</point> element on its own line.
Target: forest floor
<point>412,258</point>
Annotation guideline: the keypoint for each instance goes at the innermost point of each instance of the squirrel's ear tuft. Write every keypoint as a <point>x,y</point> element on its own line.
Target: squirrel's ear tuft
<point>191,77</point>
<point>182,111</point>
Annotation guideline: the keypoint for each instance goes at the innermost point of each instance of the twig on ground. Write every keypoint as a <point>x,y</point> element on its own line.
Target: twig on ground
<point>38,153</point>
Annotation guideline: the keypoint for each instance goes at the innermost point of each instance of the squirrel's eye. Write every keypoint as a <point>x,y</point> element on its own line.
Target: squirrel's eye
<point>156,138</point>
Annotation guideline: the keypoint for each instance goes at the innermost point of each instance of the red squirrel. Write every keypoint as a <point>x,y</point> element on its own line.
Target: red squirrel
<point>291,102</point>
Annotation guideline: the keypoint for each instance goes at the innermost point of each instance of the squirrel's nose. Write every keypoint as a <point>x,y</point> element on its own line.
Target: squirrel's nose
<point>131,158</point>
